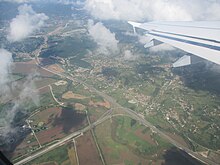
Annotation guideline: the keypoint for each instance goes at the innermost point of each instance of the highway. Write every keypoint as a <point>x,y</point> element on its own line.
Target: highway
<point>64,140</point>
<point>135,116</point>
<point>132,114</point>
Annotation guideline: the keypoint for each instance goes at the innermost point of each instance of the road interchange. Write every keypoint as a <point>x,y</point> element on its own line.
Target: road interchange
<point>114,104</point>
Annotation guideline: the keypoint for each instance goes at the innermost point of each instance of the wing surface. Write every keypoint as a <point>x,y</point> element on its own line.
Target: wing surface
<point>198,38</point>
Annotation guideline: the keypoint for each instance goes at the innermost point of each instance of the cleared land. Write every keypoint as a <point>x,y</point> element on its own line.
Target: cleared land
<point>124,141</point>
<point>71,95</point>
<point>28,68</point>
<point>58,156</point>
<point>49,125</point>
<point>105,104</point>
<point>56,68</point>
<point>87,151</point>
<point>54,123</point>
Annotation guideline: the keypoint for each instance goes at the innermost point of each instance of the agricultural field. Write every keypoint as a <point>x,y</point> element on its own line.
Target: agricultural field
<point>30,67</point>
<point>55,68</point>
<point>68,47</point>
<point>26,46</point>
<point>81,98</point>
<point>55,123</point>
<point>63,155</point>
<point>72,91</point>
<point>183,101</point>
<point>125,141</point>
<point>48,126</point>
<point>87,150</point>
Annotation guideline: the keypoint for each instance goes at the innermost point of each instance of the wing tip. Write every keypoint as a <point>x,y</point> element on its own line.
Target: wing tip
<point>134,24</point>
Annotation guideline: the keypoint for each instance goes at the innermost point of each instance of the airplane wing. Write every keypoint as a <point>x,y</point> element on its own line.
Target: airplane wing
<point>197,38</point>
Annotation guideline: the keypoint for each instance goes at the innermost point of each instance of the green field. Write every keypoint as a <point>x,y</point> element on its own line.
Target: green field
<point>58,155</point>
<point>125,135</point>
<point>26,46</point>
<point>68,47</point>
<point>189,95</point>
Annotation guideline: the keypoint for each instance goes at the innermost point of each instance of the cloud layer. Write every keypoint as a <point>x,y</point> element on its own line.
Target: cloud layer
<point>16,1</point>
<point>25,23</point>
<point>65,2</point>
<point>142,10</point>
<point>146,10</point>
<point>104,38</point>
<point>5,66</point>
<point>7,87</point>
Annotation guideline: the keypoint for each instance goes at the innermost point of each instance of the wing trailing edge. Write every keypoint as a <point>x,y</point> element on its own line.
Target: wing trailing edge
<point>201,39</point>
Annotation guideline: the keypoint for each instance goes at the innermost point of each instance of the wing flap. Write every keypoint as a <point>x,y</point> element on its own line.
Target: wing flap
<point>183,61</point>
<point>203,52</point>
<point>199,38</point>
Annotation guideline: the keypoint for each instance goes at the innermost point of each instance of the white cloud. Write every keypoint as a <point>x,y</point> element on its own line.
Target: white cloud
<point>104,38</point>
<point>7,88</point>
<point>142,10</point>
<point>213,11</point>
<point>25,23</point>
<point>5,66</point>
<point>17,1</point>
<point>27,93</point>
<point>65,2</point>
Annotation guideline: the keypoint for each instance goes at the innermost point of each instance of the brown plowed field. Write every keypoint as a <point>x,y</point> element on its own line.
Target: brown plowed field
<point>56,68</point>
<point>80,107</point>
<point>27,68</point>
<point>71,95</point>
<point>105,104</point>
<point>87,151</point>
<point>49,163</point>
<point>50,135</point>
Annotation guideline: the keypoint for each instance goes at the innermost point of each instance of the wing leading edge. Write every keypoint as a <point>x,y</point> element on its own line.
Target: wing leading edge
<point>198,38</point>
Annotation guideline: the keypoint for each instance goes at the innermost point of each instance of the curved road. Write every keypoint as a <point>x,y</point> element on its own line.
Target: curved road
<point>135,115</point>
<point>63,141</point>
<point>129,111</point>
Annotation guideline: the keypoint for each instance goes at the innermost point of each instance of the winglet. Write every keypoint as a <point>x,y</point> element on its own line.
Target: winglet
<point>135,25</point>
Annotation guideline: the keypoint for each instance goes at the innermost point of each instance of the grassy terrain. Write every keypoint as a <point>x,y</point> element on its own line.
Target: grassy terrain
<point>189,96</point>
<point>68,47</point>
<point>16,77</point>
<point>198,108</point>
<point>125,135</point>
<point>80,63</point>
<point>58,155</point>
<point>26,46</point>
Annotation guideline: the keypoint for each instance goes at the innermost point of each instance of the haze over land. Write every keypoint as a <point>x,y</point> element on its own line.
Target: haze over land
<point>73,75</point>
